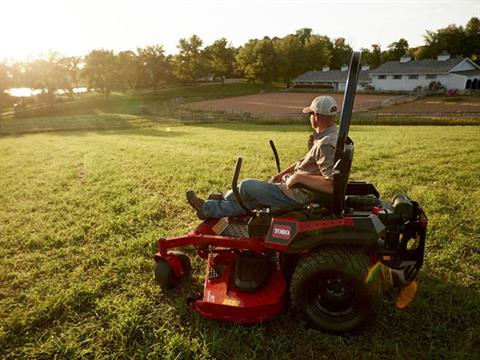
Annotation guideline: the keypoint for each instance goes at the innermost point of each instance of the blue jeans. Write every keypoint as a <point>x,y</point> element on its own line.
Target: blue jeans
<point>255,194</point>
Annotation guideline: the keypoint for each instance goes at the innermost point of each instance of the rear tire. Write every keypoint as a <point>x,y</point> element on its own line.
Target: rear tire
<point>328,289</point>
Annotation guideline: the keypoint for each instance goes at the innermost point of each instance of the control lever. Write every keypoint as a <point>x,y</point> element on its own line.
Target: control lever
<point>275,155</point>
<point>235,186</point>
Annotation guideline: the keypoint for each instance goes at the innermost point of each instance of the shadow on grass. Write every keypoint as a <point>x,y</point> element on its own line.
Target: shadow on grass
<point>151,132</point>
<point>442,322</point>
<point>251,127</point>
<point>278,127</point>
<point>119,127</point>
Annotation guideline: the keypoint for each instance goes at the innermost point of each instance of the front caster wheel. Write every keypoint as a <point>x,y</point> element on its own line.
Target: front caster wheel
<point>166,277</point>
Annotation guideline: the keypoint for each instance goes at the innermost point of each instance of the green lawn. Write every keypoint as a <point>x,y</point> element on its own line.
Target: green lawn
<point>77,241</point>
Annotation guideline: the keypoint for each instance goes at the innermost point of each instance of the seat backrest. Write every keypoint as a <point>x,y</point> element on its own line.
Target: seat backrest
<point>340,179</point>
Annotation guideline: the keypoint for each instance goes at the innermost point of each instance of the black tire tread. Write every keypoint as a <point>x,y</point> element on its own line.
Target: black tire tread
<point>352,258</point>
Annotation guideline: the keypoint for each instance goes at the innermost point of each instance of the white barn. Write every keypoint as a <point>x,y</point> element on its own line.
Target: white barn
<point>406,75</point>
<point>333,79</point>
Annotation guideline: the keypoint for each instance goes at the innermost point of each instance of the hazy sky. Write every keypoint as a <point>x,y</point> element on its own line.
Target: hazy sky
<point>31,27</point>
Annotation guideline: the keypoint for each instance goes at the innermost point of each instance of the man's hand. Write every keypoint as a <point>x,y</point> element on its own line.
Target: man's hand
<point>291,181</point>
<point>277,178</point>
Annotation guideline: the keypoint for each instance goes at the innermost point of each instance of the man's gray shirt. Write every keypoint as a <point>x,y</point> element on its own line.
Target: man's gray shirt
<point>319,160</point>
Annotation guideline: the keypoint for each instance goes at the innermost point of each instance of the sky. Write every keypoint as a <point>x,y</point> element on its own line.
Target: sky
<point>31,28</point>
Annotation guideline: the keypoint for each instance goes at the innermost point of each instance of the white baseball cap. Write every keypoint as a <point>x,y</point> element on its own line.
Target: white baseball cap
<point>323,105</point>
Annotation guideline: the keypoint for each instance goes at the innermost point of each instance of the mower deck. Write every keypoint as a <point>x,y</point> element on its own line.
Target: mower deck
<point>222,300</point>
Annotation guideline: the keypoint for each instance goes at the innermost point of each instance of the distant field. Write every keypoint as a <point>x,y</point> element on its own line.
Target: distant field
<point>77,240</point>
<point>253,103</point>
<point>164,100</point>
<point>278,103</point>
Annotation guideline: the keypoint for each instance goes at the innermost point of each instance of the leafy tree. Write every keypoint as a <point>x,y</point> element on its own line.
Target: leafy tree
<point>374,57</point>
<point>170,76</point>
<point>151,62</point>
<point>303,35</point>
<point>318,52</point>
<point>100,70</point>
<point>5,81</point>
<point>220,58</point>
<point>257,60</point>
<point>396,50</point>
<point>189,63</point>
<point>341,53</point>
<point>472,32</point>
<point>291,57</point>
<point>71,68</point>
<point>126,70</point>
<point>47,75</point>
<point>452,39</point>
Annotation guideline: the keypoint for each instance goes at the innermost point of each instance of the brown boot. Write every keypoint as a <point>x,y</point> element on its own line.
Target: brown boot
<point>196,203</point>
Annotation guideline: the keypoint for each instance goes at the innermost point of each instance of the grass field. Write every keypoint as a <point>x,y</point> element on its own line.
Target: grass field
<point>77,239</point>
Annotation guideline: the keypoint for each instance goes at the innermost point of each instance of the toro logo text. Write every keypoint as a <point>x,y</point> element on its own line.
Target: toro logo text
<point>281,232</point>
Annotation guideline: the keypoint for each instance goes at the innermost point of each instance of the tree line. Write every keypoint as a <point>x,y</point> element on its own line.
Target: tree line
<point>266,60</point>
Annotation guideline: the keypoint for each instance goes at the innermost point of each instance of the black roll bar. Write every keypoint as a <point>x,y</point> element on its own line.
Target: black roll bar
<point>341,173</point>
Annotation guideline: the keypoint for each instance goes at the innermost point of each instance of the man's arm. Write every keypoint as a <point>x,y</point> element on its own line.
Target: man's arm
<point>278,177</point>
<point>313,181</point>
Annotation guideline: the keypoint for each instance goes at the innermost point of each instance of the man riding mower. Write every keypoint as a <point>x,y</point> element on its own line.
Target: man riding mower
<point>330,257</point>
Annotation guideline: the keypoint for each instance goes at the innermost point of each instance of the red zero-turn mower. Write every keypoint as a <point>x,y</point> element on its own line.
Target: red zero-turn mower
<point>330,262</point>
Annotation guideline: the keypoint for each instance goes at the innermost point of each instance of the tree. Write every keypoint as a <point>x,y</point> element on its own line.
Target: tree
<point>5,81</point>
<point>151,62</point>
<point>472,32</point>
<point>47,75</point>
<point>303,35</point>
<point>71,67</point>
<point>100,70</point>
<point>257,60</point>
<point>170,76</point>
<point>189,63</point>
<point>396,50</point>
<point>451,39</point>
<point>220,58</point>
<point>291,57</point>
<point>374,57</point>
<point>318,52</point>
<point>127,69</point>
<point>341,53</point>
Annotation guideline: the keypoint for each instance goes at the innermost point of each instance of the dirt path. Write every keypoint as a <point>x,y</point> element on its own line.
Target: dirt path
<point>276,104</point>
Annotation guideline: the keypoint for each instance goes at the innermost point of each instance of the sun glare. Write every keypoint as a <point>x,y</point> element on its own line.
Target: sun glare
<point>32,28</point>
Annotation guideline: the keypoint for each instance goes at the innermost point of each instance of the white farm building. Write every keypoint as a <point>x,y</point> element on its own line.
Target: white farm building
<point>406,75</point>
<point>333,79</point>
<point>403,75</point>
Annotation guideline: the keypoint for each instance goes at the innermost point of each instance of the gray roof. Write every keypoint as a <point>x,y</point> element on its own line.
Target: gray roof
<point>427,66</point>
<point>468,72</point>
<point>330,76</point>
